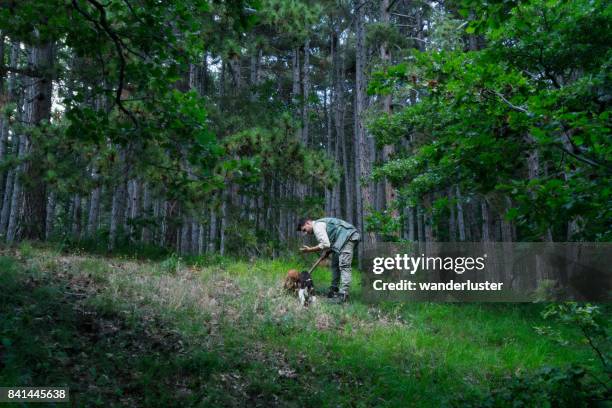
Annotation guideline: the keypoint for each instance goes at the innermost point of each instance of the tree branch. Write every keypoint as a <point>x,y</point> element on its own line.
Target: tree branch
<point>391,5</point>
<point>103,25</point>
<point>583,159</point>
<point>511,105</point>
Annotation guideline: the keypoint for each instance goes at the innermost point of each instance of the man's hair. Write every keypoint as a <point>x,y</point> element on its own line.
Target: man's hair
<point>301,223</point>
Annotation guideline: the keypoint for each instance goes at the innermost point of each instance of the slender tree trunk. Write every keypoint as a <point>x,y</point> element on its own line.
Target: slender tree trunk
<point>224,214</point>
<point>343,140</point>
<point>329,192</point>
<point>201,240</point>
<point>452,221</point>
<point>6,203</point>
<point>306,94</point>
<point>171,231</point>
<point>486,220</point>
<point>420,224</point>
<point>51,204</point>
<point>13,146</point>
<point>4,125</point>
<point>117,213</point>
<point>145,234</point>
<point>195,236</point>
<point>37,109</point>
<point>385,57</point>
<point>506,226</point>
<point>16,196</point>
<point>363,194</point>
<point>234,64</point>
<point>411,231</point>
<point>333,141</point>
<point>185,246</point>
<point>254,72</point>
<point>534,171</point>
<point>163,230</point>
<point>94,206</point>
<point>428,220</point>
<point>460,218</point>
<point>76,217</point>
<point>135,207</point>
<point>295,89</point>
<point>474,228</point>
<point>212,240</point>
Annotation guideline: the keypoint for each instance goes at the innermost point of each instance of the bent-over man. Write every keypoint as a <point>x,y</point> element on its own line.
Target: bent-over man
<point>340,238</point>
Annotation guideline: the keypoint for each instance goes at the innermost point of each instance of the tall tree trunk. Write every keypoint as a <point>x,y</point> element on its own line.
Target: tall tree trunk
<point>534,171</point>
<point>234,64</point>
<point>94,205</point>
<point>254,72</point>
<point>163,214</point>
<point>185,246</point>
<point>343,140</point>
<point>16,194</point>
<point>145,234</point>
<point>385,57</point>
<point>201,240</point>
<point>506,226</point>
<point>76,217</point>
<point>117,211</point>
<point>295,82</point>
<point>329,192</point>
<point>13,145</point>
<point>37,109</point>
<point>195,236</point>
<point>460,217</point>
<point>428,219</point>
<point>411,231</point>
<point>223,226</point>
<point>5,98</point>
<point>306,94</point>
<point>452,220</point>
<point>333,141</point>
<point>51,204</point>
<point>6,202</point>
<point>135,206</point>
<point>420,224</point>
<point>363,194</point>
<point>485,212</point>
<point>212,240</point>
<point>127,211</point>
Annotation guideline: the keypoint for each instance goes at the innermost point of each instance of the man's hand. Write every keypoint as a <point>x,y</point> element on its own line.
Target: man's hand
<point>306,248</point>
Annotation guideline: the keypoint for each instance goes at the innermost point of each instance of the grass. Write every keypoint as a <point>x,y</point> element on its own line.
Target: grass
<point>126,332</point>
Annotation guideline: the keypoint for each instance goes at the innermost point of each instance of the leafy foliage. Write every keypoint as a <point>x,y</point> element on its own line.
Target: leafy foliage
<point>525,118</point>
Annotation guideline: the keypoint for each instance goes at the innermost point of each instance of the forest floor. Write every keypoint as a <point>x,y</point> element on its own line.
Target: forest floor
<point>141,333</point>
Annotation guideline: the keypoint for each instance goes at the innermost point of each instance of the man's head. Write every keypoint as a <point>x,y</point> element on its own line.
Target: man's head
<point>305,225</point>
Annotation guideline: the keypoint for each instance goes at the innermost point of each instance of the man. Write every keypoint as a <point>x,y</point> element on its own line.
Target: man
<point>340,238</point>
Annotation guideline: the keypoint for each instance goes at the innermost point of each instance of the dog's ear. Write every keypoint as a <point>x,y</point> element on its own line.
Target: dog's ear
<point>292,280</point>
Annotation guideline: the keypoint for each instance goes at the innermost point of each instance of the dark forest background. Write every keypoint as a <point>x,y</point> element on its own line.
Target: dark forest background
<point>211,127</point>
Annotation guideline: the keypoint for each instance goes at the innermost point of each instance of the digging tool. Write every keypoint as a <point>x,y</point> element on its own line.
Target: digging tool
<point>321,258</point>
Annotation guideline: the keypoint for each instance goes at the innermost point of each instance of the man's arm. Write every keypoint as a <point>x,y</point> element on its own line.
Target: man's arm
<point>320,232</point>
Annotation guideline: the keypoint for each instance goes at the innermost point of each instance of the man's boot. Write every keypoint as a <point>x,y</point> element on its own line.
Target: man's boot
<point>333,292</point>
<point>340,298</point>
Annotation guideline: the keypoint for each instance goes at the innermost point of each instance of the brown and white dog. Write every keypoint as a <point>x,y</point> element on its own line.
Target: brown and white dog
<point>300,282</point>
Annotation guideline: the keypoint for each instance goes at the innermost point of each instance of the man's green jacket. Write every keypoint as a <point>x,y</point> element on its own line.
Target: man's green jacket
<point>338,231</point>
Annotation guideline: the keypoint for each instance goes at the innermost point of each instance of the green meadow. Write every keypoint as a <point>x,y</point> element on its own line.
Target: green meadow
<point>125,332</point>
